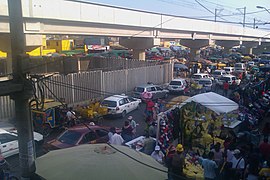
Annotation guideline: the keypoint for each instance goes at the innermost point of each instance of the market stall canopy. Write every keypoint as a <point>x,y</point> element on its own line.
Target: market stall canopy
<point>99,161</point>
<point>215,102</point>
<point>180,66</point>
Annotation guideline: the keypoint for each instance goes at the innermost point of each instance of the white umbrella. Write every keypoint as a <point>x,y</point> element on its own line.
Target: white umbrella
<point>101,162</point>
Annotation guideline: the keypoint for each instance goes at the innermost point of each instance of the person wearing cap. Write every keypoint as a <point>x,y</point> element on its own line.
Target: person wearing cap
<point>133,124</point>
<point>178,163</point>
<point>238,165</point>
<point>157,154</point>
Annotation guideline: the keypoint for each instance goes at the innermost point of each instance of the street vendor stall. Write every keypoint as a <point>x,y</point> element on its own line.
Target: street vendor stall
<point>197,124</point>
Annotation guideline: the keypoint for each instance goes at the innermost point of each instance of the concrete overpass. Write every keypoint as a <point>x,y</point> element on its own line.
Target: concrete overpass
<point>138,29</point>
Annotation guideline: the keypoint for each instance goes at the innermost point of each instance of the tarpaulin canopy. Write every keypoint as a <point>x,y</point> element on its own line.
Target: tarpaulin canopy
<point>99,161</point>
<point>213,101</point>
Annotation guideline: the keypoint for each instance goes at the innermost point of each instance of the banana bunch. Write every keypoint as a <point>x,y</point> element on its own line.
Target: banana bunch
<point>194,171</point>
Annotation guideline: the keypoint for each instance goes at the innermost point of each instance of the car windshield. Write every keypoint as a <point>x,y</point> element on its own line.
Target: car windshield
<point>197,76</point>
<point>70,137</point>
<point>238,65</point>
<point>109,103</point>
<point>217,73</point>
<point>206,82</point>
<point>178,83</point>
<point>139,89</point>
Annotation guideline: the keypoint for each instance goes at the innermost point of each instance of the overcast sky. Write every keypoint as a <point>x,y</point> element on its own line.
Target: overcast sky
<point>226,9</point>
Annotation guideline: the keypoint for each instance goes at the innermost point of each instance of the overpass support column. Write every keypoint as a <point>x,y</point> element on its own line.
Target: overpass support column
<point>194,46</point>
<point>249,45</point>
<point>138,54</point>
<point>138,45</point>
<point>227,44</point>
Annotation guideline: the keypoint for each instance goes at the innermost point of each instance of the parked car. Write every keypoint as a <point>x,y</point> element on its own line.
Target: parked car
<point>229,79</point>
<point>197,76</point>
<point>241,67</point>
<point>9,142</point>
<point>120,105</point>
<point>177,85</point>
<point>229,70</point>
<point>206,83</point>
<point>218,73</point>
<point>78,135</point>
<point>156,91</point>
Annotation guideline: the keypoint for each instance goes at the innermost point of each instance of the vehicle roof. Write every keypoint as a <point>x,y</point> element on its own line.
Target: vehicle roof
<point>201,74</point>
<point>219,70</point>
<point>228,67</point>
<point>178,79</point>
<point>116,97</point>
<point>205,79</point>
<point>228,75</point>
<point>3,131</point>
<point>84,129</point>
<point>146,85</point>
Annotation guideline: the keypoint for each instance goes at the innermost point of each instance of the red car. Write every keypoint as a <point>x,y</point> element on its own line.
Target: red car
<point>78,135</point>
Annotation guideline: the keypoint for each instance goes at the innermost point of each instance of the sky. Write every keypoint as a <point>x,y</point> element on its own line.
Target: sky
<point>227,10</point>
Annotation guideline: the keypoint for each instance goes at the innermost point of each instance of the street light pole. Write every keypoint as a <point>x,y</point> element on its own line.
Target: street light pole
<point>244,19</point>
<point>261,7</point>
<point>21,98</point>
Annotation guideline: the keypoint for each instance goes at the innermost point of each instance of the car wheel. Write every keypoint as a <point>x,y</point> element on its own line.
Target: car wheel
<point>124,113</point>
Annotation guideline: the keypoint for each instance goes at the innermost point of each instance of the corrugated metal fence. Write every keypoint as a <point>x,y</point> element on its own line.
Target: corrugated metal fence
<point>7,110</point>
<point>78,87</point>
<point>83,87</point>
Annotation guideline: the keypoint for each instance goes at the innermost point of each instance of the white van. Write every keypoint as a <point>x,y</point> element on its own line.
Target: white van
<point>197,76</point>
<point>229,70</point>
<point>240,67</point>
<point>177,85</point>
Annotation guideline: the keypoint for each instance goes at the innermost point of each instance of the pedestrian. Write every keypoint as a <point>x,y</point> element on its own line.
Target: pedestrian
<point>225,88</point>
<point>117,138</point>
<point>168,160</point>
<point>209,166</point>
<point>178,163</point>
<point>158,155</point>
<point>133,124</point>
<point>71,116</point>
<point>127,131</point>
<point>153,129</point>
<point>218,153</point>
<point>265,148</point>
<point>148,144</point>
<point>238,165</point>
<point>111,133</point>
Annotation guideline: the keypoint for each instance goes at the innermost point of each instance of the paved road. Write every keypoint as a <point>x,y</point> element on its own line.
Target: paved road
<point>111,122</point>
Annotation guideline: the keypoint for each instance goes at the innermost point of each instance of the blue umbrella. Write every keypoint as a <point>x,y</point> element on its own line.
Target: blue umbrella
<point>180,66</point>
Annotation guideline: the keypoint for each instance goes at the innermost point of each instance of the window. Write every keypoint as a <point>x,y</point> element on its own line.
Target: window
<point>153,89</point>
<point>122,102</point>
<point>131,99</point>
<point>109,103</point>
<point>70,137</point>
<point>125,101</point>
<point>101,132</point>
<point>148,89</point>
<point>159,88</point>
<point>139,89</point>
<point>91,136</point>
<point>5,138</point>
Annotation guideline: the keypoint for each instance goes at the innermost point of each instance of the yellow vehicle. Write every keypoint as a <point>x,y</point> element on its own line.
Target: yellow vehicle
<point>191,64</point>
<point>215,66</point>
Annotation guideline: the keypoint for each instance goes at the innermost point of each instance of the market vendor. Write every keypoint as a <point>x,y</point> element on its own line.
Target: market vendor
<point>178,163</point>
<point>158,155</point>
<point>148,144</point>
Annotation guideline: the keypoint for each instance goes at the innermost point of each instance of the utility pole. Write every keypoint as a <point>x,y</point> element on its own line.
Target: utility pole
<point>244,20</point>
<point>215,15</point>
<point>21,97</point>
<point>254,23</point>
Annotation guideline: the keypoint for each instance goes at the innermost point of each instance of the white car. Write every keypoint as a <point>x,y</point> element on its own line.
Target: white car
<point>9,142</point>
<point>177,85</point>
<point>120,105</point>
<point>229,79</point>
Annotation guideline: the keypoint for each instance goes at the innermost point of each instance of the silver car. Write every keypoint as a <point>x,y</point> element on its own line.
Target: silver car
<point>156,91</point>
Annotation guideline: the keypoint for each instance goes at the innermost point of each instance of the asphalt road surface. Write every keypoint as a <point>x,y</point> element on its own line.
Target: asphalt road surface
<point>138,116</point>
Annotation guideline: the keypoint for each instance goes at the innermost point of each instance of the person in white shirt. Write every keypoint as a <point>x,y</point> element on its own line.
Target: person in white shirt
<point>117,139</point>
<point>157,155</point>
<point>133,124</point>
<point>70,117</point>
<point>238,161</point>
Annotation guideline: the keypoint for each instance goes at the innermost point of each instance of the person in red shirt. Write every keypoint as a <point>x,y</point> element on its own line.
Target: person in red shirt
<point>265,149</point>
<point>225,88</point>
